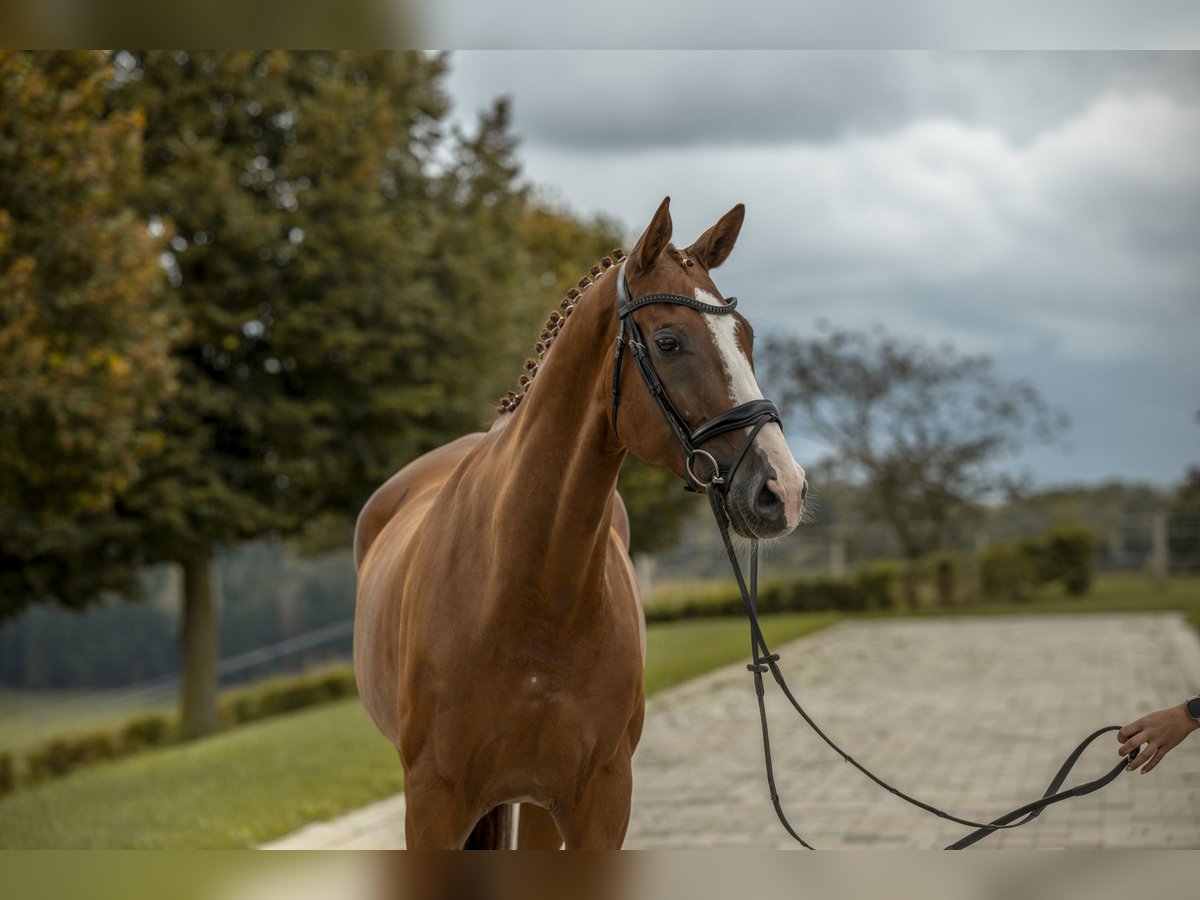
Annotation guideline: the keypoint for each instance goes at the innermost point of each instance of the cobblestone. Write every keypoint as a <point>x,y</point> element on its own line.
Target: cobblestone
<point>971,714</point>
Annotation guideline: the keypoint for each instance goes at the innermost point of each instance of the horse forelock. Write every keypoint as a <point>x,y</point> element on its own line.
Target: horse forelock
<point>556,321</point>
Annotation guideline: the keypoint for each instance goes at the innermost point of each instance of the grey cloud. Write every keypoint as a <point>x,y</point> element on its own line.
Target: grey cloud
<point>632,99</point>
<point>805,24</point>
<point>1041,208</point>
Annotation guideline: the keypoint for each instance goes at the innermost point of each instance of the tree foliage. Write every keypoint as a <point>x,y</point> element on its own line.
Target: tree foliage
<point>922,428</point>
<point>657,505</point>
<point>327,341</point>
<point>341,263</point>
<point>86,328</point>
<point>355,281</point>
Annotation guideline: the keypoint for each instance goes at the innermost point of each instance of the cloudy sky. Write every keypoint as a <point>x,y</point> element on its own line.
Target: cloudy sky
<point>1040,208</point>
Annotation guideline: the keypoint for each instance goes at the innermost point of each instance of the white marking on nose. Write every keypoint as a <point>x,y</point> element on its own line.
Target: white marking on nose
<point>743,387</point>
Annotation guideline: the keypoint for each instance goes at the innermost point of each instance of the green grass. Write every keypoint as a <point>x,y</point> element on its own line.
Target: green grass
<point>232,790</point>
<point>259,781</point>
<point>678,651</point>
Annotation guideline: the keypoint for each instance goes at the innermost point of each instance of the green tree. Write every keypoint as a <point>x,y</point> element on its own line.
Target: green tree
<point>353,278</point>
<point>556,248</point>
<point>342,265</point>
<point>85,328</point>
<point>920,427</point>
<point>657,505</point>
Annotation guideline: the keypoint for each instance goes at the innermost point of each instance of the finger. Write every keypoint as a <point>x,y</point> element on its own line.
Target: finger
<point>1143,757</point>
<point>1129,731</point>
<point>1159,754</point>
<point>1131,744</point>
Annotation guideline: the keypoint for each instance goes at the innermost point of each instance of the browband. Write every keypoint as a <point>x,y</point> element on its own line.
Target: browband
<point>626,304</point>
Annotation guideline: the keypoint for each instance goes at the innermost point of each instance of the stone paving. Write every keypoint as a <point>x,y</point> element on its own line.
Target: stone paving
<point>971,714</point>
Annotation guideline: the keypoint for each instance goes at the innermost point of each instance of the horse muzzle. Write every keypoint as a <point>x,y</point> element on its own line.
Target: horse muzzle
<point>763,505</point>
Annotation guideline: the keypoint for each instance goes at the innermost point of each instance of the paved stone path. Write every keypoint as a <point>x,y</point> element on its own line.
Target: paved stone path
<point>971,714</point>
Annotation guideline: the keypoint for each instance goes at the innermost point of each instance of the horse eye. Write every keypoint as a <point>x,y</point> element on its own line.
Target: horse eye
<point>667,343</point>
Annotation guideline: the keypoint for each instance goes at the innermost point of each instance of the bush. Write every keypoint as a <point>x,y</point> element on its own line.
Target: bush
<point>146,731</point>
<point>1063,555</point>
<point>949,575</point>
<point>1007,573</point>
<point>879,584</point>
<point>279,696</point>
<point>8,775</point>
<point>1068,551</point>
<point>872,588</point>
<point>64,755</point>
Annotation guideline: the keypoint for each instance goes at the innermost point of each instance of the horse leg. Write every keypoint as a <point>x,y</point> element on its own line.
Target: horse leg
<point>537,830</point>
<point>599,820</point>
<point>435,817</point>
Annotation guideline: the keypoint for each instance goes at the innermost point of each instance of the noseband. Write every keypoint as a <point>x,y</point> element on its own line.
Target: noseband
<point>754,414</point>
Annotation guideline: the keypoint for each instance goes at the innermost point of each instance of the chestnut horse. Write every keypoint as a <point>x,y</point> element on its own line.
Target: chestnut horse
<point>499,637</point>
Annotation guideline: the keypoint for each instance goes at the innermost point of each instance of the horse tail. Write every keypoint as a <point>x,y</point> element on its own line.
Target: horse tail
<point>496,830</point>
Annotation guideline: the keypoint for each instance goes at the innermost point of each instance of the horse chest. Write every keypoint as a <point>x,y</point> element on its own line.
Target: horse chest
<point>545,717</point>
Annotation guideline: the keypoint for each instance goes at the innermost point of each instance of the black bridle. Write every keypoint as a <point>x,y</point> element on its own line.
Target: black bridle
<point>754,415</point>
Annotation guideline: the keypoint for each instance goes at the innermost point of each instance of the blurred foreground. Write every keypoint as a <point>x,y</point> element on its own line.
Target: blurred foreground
<point>699,876</point>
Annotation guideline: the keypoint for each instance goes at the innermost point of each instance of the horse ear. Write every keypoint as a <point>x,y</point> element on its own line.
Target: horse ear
<point>650,244</point>
<point>714,246</point>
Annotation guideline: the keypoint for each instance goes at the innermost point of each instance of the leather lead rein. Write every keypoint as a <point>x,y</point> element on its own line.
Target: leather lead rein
<point>755,415</point>
<point>766,661</point>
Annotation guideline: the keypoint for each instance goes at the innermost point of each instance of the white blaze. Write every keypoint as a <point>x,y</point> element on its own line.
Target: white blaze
<point>743,387</point>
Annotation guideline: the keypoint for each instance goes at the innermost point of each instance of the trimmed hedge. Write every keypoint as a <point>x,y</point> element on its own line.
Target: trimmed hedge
<point>1010,572</point>
<point>147,731</point>
<point>63,755</point>
<point>874,587</point>
<point>8,775</point>
<point>1002,572</point>
<point>1007,574</point>
<point>1066,554</point>
<point>283,695</point>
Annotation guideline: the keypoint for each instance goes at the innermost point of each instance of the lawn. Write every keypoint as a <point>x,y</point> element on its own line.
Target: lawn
<point>260,781</point>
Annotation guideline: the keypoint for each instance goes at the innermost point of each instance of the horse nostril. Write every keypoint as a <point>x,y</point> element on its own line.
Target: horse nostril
<point>804,490</point>
<point>767,500</point>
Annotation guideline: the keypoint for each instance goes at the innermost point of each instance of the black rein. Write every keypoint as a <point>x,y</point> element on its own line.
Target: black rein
<point>754,415</point>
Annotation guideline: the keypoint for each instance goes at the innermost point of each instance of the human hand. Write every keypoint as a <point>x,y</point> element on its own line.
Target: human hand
<point>1160,731</point>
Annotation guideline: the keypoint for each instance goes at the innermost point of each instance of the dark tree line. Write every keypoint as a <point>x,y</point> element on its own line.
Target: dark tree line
<point>241,289</point>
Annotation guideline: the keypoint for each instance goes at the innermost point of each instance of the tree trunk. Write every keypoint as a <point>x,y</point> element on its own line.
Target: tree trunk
<point>199,649</point>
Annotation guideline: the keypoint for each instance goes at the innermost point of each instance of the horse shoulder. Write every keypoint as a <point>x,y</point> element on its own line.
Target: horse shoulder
<point>619,544</point>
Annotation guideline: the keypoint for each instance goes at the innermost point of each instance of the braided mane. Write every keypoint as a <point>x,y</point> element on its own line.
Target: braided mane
<point>510,401</point>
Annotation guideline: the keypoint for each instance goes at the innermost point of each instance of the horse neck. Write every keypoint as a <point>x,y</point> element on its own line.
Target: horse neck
<point>558,463</point>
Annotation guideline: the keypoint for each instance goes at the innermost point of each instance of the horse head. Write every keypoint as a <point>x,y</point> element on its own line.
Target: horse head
<point>686,337</point>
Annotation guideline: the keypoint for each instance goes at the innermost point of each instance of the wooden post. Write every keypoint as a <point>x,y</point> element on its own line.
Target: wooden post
<point>1159,565</point>
<point>1116,547</point>
<point>837,556</point>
